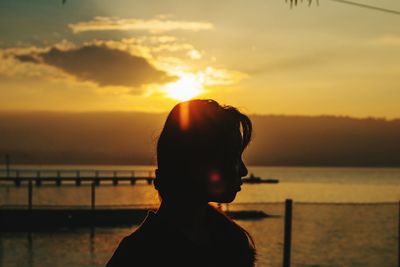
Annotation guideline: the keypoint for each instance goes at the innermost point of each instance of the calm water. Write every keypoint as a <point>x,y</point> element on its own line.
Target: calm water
<point>342,217</point>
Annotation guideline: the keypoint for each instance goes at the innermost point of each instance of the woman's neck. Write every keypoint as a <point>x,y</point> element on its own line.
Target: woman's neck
<point>189,219</point>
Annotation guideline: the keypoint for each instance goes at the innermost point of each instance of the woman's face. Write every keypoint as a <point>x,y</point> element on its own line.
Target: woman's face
<point>225,177</point>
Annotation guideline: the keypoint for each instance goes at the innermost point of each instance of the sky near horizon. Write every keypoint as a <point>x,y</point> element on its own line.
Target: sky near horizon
<point>261,56</point>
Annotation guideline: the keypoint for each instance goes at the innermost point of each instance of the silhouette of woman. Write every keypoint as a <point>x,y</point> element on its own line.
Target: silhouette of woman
<point>199,157</point>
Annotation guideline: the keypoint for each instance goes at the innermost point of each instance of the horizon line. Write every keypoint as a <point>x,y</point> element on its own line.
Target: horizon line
<point>375,117</point>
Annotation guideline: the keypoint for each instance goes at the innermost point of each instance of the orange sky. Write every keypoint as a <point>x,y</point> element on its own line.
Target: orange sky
<point>263,57</point>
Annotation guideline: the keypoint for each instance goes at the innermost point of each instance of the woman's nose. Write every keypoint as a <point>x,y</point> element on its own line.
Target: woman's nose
<point>242,169</point>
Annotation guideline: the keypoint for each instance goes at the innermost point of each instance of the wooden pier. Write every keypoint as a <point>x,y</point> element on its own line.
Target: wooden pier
<point>15,219</point>
<point>58,177</point>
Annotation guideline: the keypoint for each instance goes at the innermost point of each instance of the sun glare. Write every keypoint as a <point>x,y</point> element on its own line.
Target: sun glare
<point>186,87</point>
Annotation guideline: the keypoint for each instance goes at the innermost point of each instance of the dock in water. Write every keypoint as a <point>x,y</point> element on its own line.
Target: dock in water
<point>34,218</point>
<point>49,219</point>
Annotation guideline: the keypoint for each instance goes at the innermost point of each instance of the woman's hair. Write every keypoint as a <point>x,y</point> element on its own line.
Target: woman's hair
<point>196,134</point>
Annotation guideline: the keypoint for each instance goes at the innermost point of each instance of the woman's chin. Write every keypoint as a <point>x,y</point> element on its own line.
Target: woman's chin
<point>224,198</point>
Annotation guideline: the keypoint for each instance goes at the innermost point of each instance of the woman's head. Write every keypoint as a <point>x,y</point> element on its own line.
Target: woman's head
<point>199,152</point>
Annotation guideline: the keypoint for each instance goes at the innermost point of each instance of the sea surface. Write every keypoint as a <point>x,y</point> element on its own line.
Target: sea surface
<point>341,217</point>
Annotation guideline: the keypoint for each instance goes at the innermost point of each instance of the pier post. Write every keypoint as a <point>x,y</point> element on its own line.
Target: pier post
<point>97,180</point>
<point>115,179</point>
<point>398,237</point>
<point>58,181</point>
<point>38,180</point>
<point>17,180</point>
<point>78,179</point>
<point>30,194</point>
<point>133,180</point>
<point>150,180</point>
<point>288,233</point>
<point>8,165</point>
<point>93,202</point>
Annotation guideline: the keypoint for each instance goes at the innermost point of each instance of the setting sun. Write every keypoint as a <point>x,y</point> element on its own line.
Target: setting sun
<point>185,88</point>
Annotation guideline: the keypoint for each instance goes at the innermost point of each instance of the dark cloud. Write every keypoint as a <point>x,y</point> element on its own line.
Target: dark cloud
<point>102,65</point>
<point>27,58</point>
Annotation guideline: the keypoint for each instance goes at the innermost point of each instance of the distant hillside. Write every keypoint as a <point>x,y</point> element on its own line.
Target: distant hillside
<point>130,138</point>
<point>325,141</point>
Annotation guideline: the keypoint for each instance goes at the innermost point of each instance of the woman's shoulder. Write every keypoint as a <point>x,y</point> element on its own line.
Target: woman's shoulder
<point>139,243</point>
<point>233,237</point>
<point>222,223</point>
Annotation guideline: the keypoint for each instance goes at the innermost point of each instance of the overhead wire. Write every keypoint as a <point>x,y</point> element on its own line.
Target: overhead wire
<point>368,6</point>
<point>347,2</point>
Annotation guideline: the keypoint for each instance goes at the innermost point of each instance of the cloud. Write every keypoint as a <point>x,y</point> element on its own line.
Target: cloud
<point>194,54</point>
<point>158,25</point>
<point>27,58</point>
<point>102,65</point>
<point>224,77</point>
<point>22,63</point>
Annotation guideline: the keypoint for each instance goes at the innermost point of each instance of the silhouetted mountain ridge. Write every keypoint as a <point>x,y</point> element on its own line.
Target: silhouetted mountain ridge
<point>130,138</point>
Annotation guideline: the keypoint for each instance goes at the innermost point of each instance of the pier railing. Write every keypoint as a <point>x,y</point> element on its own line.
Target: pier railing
<point>58,177</point>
